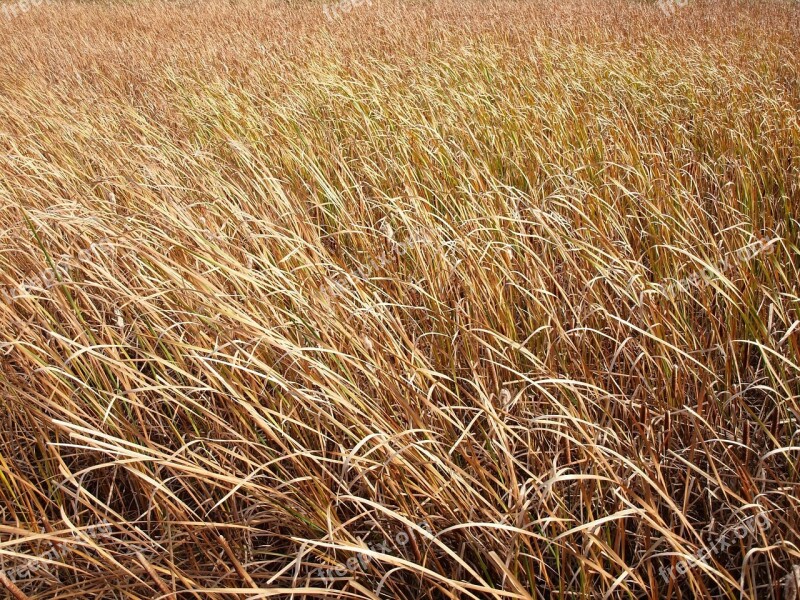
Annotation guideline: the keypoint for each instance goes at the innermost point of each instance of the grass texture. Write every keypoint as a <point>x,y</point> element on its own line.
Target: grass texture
<point>429,300</point>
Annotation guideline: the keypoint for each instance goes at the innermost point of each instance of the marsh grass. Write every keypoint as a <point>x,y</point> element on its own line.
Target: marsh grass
<point>405,271</point>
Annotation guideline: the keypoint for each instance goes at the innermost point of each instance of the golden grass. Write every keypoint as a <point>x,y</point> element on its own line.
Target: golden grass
<point>399,289</point>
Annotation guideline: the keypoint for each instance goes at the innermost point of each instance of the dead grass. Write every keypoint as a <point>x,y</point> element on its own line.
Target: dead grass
<point>310,286</point>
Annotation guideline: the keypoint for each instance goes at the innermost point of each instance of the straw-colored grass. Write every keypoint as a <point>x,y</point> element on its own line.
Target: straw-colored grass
<point>463,299</point>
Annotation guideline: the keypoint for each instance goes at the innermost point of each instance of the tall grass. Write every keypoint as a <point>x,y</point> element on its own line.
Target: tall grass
<point>462,293</point>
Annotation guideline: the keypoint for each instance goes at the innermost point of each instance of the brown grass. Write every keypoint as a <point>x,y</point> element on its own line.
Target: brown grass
<point>278,293</point>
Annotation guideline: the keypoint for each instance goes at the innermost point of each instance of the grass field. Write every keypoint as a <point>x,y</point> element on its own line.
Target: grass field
<point>419,300</point>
